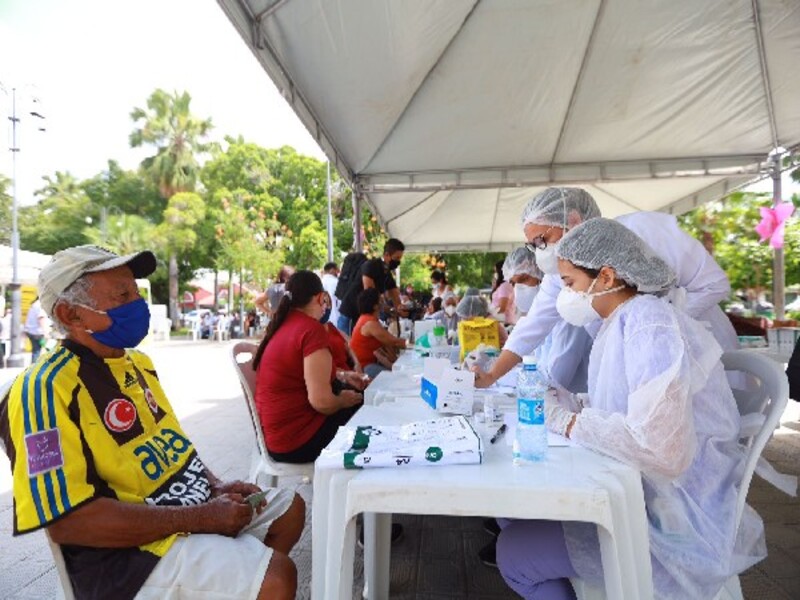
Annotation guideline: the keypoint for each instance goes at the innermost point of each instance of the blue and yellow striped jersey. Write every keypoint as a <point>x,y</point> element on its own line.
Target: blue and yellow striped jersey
<point>77,427</point>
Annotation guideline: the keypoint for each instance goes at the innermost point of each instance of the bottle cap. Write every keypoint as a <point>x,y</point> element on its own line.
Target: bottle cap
<point>439,330</point>
<point>529,360</point>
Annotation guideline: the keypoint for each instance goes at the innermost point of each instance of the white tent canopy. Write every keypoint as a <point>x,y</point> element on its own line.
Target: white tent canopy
<point>448,115</point>
<point>29,264</point>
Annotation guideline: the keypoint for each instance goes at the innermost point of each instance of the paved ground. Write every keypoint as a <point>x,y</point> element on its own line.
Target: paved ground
<point>436,559</point>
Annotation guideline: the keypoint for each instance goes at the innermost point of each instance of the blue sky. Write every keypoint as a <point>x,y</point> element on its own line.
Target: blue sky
<point>91,62</point>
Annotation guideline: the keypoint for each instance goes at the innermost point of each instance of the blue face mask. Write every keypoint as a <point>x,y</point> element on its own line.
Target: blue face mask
<point>325,316</point>
<point>129,325</point>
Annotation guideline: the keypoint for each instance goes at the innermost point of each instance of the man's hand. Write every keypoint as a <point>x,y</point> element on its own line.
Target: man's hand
<point>483,379</point>
<point>233,487</point>
<point>227,514</point>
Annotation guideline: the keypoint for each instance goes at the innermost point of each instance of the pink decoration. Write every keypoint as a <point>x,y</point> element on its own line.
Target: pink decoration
<point>772,223</point>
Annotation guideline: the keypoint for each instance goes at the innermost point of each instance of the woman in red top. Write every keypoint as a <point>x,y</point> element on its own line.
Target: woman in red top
<point>299,393</point>
<point>343,356</point>
<point>370,336</point>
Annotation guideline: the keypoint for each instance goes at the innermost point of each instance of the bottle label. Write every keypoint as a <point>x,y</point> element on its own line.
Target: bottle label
<point>530,411</point>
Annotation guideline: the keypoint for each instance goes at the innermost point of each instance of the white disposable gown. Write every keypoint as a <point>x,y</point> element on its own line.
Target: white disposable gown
<point>702,282</point>
<point>658,400</point>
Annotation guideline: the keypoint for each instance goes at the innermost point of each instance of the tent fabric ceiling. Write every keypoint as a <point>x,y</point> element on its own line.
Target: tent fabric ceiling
<point>431,107</point>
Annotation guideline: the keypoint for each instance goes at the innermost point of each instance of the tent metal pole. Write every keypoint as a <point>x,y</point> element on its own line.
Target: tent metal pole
<point>357,242</point>
<point>778,274</point>
<point>330,217</point>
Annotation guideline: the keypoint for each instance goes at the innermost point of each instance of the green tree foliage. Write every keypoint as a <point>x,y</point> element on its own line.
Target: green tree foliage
<point>727,230</point>
<point>5,211</point>
<point>59,219</point>
<point>123,234</point>
<point>242,246</point>
<point>126,191</point>
<point>463,269</point>
<point>176,233</point>
<point>168,125</point>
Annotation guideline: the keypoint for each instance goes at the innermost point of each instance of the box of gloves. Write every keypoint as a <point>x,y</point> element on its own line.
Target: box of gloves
<point>446,389</point>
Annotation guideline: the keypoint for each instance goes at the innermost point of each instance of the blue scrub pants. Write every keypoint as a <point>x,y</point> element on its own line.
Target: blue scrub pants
<point>532,558</point>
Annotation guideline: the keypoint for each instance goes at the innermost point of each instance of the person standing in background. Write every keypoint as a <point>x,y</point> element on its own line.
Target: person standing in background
<point>330,279</point>
<point>269,300</point>
<point>35,328</point>
<point>503,296</point>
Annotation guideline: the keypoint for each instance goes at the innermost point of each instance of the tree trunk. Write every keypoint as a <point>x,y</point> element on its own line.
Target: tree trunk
<point>173,290</point>
<point>216,289</point>
<point>230,293</point>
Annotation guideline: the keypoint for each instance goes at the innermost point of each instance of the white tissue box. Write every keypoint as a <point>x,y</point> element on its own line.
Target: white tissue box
<point>446,389</point>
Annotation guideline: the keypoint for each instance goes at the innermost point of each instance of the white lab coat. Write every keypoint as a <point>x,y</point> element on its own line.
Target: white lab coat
<point>703,282</point>
<point>658,400</point>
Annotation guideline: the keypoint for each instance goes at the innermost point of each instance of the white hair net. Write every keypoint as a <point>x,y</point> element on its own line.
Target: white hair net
<point>560,207</point>
<point>472,306</point>
<point>603,242</point>
<point>521,260</point>
<point>473,291</point>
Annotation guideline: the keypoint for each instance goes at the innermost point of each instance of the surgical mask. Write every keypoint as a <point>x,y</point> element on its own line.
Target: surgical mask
<point>547,260</point>
<point>524,295</point>
<point>393,264</point>
<point>576,307</point>
<point>129,325</point>
<point>450,310</point>
<point>325,316</point>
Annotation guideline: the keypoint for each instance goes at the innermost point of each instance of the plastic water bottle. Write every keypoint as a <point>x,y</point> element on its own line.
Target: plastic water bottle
<point>530,441</point>
<point>438,338</point>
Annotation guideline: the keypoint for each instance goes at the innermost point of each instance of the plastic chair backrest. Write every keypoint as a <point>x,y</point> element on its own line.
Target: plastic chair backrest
<point>243,354</point>
<point>770,401</point>
<point>61,568</point>
<point>4,387</point>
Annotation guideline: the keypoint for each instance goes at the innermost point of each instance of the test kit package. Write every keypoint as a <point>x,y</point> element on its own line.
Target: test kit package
<point>446,389</point>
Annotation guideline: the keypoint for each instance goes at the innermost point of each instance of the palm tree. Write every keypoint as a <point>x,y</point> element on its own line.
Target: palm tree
<point>168,125</point>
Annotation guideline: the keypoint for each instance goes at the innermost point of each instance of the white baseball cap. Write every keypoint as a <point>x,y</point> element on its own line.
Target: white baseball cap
<point>68,265</point>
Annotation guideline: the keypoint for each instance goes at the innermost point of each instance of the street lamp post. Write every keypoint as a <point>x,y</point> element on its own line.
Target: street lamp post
<point>15,358</point>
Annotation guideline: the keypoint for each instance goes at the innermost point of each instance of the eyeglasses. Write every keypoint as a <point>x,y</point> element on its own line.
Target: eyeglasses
<point>538,243</point>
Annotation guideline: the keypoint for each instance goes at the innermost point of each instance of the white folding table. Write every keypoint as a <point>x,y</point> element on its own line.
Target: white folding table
<point>573,484</point>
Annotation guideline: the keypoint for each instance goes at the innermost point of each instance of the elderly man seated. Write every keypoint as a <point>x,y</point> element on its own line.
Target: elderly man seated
<point>100,460</point>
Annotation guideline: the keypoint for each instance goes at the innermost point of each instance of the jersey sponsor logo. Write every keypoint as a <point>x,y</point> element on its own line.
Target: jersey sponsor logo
<point>120,415</point>
<point>129,379</point>
<point>151,400</point>
<point>160,452</point>
<point>185,488</point>
<point>44,451</point>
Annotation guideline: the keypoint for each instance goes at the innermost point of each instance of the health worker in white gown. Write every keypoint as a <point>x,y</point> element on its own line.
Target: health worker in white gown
<point>701,285</point>
<point>658,400</point>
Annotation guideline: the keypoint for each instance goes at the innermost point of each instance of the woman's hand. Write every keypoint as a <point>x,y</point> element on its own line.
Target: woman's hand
<point>350,398</point>
<point>357,380</point>
<point>483,379</point>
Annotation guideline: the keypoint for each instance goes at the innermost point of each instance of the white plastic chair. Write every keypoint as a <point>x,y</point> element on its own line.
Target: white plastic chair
<point>263,470</point>
<point>769,399</point>
<point>194,332</point>
<point>65,589</point>
<point>221,331</point>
